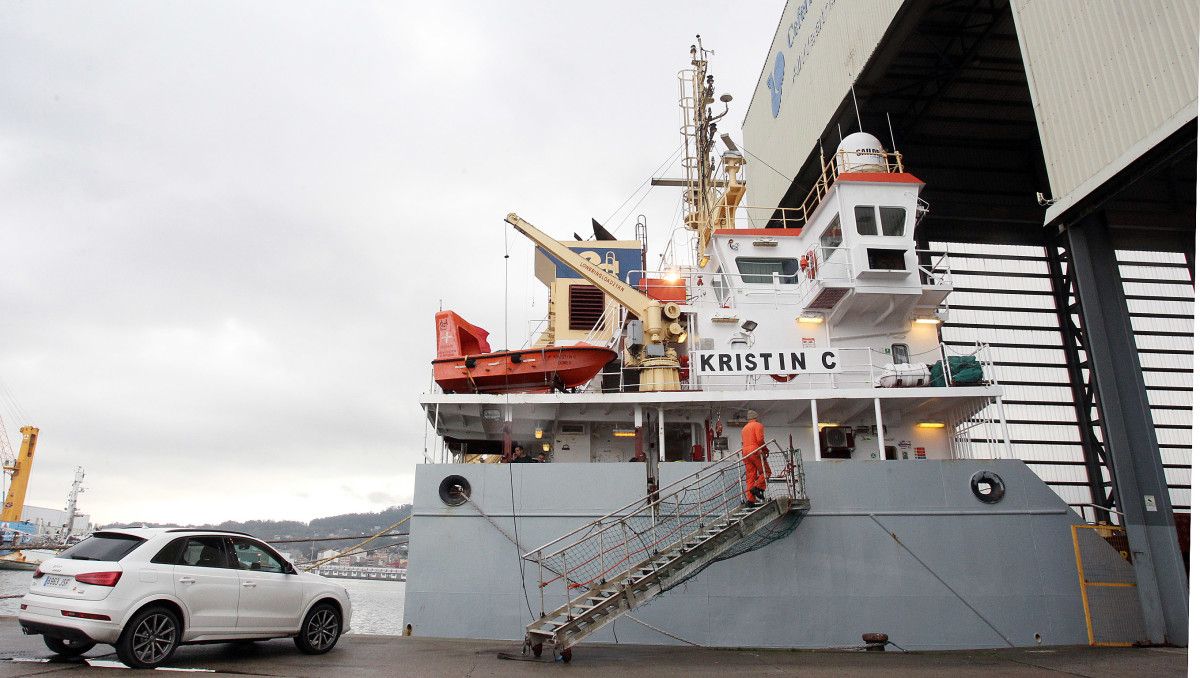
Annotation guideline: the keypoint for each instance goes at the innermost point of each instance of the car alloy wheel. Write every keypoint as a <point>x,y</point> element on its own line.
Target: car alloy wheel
<point>322,626</point>
<point>150,639</point>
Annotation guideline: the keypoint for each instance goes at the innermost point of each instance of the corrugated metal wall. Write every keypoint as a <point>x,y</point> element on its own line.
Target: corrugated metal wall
<point>1108,78</point>
<point>1161,300</point>
<point>1003,296</point>
<point>822,46</point>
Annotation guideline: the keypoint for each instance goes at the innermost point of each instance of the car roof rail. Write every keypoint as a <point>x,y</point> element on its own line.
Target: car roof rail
<point>208,529</point>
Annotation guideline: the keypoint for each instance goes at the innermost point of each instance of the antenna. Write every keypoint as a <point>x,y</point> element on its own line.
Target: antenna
<point>854,97</point>
<point>890,132</point>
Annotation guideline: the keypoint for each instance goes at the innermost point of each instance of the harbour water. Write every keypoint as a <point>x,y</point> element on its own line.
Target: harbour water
<point>378,605</point>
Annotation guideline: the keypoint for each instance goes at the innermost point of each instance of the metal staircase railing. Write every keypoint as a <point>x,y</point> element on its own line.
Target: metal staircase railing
<point>599,571</point>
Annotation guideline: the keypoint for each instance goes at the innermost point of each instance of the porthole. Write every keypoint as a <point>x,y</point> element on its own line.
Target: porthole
<point>987,486</point>
<point>454,490</point>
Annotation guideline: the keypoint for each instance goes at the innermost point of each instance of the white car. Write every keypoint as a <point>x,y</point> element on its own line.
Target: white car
<point>147,590</point>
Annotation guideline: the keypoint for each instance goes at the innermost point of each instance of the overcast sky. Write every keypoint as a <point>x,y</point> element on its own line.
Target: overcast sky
<point>227,226</point>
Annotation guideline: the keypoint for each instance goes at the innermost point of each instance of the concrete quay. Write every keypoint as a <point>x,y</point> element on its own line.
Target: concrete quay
<point>363,655</point>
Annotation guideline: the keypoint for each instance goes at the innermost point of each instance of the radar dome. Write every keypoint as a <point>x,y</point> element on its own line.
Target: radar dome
<point>861,152</point>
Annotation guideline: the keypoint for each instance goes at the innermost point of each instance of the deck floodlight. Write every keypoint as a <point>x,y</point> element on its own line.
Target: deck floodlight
<point>749,326</point>
<point>810,319</point>
<point>931,424</point>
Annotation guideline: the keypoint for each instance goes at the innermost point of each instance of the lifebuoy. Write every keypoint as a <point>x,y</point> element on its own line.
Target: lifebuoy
<point>811,268</point>
<point>987,486</point>
<point>783,378</point>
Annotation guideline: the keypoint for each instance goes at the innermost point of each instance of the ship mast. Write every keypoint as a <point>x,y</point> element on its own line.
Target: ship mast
<point>705,207</point>
<point>73,502</point>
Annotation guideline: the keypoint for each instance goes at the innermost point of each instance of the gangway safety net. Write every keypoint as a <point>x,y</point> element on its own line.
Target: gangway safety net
<point>614,546</point>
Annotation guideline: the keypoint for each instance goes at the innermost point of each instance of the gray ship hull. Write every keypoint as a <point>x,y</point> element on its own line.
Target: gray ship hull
<point>898,547</point>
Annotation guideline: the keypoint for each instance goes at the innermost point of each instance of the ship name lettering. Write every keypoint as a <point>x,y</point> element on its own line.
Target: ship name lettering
<point>706,363</point>
<point>829,360</point>
<point>798,362</point>
<point>752,361</point>
<point>726,362</point>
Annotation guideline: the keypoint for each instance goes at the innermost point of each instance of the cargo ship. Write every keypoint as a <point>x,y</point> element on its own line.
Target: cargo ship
<point>881,498</point>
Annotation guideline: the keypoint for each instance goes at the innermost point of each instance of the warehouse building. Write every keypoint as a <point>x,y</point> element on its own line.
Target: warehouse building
<point>1057,139</point>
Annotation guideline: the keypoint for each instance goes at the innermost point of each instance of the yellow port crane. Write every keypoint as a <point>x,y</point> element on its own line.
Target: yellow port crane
<point>658,363</point>
<point>19,468</point>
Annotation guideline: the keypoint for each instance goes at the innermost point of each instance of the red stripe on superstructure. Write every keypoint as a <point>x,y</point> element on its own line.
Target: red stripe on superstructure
<point>880,177</point>
<point>785,232</point>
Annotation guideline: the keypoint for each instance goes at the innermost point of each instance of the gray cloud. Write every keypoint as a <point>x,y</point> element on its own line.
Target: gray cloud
<point>227,226</point>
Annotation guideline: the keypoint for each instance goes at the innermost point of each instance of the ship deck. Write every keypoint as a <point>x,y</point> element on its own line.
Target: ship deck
<point>362,655</point>
<point>464,414</point>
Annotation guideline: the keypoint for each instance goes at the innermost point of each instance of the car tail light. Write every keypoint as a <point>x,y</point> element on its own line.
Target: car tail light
<point>99,578</point>
<point>37,572</point>
<point>86,615</point>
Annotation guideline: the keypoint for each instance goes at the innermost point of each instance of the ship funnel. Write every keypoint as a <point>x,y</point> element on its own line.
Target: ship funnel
<point>861,152</point>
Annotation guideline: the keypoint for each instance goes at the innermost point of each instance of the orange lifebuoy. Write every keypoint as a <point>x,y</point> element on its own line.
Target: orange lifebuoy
<point>809,264</point>
<point>783,378</point>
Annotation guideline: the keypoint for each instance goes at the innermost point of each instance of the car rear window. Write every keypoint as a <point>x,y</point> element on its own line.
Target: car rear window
<point>108,546</point>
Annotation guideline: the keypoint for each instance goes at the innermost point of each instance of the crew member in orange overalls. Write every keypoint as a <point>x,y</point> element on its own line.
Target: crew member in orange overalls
<point>753,456</point>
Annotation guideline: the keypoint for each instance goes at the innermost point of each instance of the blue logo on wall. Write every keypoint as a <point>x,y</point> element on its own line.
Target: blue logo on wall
<point>775,84</point>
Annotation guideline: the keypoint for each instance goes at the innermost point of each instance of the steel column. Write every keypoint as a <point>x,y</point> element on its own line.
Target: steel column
<point>1095,459</point>
<point>1129,432</point>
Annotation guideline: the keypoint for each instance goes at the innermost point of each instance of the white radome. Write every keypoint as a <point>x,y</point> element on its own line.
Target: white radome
<point>861,152</point>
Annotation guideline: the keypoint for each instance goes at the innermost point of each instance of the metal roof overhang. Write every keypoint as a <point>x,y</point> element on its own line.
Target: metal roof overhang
<point>948,80</point>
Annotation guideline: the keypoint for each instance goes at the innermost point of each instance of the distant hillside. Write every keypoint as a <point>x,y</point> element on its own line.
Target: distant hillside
<point>346,524</point>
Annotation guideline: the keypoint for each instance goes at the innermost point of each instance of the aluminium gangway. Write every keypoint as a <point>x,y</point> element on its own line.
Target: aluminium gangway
<point>607,567</point>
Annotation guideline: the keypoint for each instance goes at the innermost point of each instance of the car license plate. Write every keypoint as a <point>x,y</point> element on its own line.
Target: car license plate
<point>56,582</point>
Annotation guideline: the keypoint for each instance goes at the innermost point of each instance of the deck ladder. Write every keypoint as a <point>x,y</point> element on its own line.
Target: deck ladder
<point>598,572</point>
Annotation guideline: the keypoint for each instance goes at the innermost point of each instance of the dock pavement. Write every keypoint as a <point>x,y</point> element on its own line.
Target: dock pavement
<point>367,655</point>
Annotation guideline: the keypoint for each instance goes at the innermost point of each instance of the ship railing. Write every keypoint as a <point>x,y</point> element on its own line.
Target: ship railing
<point>831,170</point>
<point>535,331</point>
<point>817,267</point>
<point>610,314</point>
<point>727,289</point>
<point>934,267</point>
<point>861,367</point>
<point>613,547</point>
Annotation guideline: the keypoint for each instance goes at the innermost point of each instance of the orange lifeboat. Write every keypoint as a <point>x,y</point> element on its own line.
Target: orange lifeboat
<point>465,362</point>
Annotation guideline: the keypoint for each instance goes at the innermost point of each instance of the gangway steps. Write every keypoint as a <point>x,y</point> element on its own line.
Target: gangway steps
<point>607,601</point>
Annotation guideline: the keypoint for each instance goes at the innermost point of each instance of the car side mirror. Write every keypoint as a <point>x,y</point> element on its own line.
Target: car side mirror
<point>289,569</point>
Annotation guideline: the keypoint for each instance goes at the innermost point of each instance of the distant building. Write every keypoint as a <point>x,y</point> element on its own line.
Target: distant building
<point>50,521</point>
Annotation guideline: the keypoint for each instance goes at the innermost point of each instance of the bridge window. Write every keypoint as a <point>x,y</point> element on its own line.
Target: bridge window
<point>720,287</point>
<point>761,270</point>
<point>892,219</point>
<point>831,239</point>
<point>864,216</point>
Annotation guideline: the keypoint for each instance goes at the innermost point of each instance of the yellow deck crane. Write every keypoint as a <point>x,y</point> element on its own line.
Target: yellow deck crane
<point>19,468</point>
<point>656,360</point>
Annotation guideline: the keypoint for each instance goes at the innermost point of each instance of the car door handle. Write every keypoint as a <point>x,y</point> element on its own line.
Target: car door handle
<point>249,584</point>
<point>187,580</point>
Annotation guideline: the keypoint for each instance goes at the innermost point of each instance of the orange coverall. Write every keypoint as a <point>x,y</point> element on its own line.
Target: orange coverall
<point>754,459</point>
